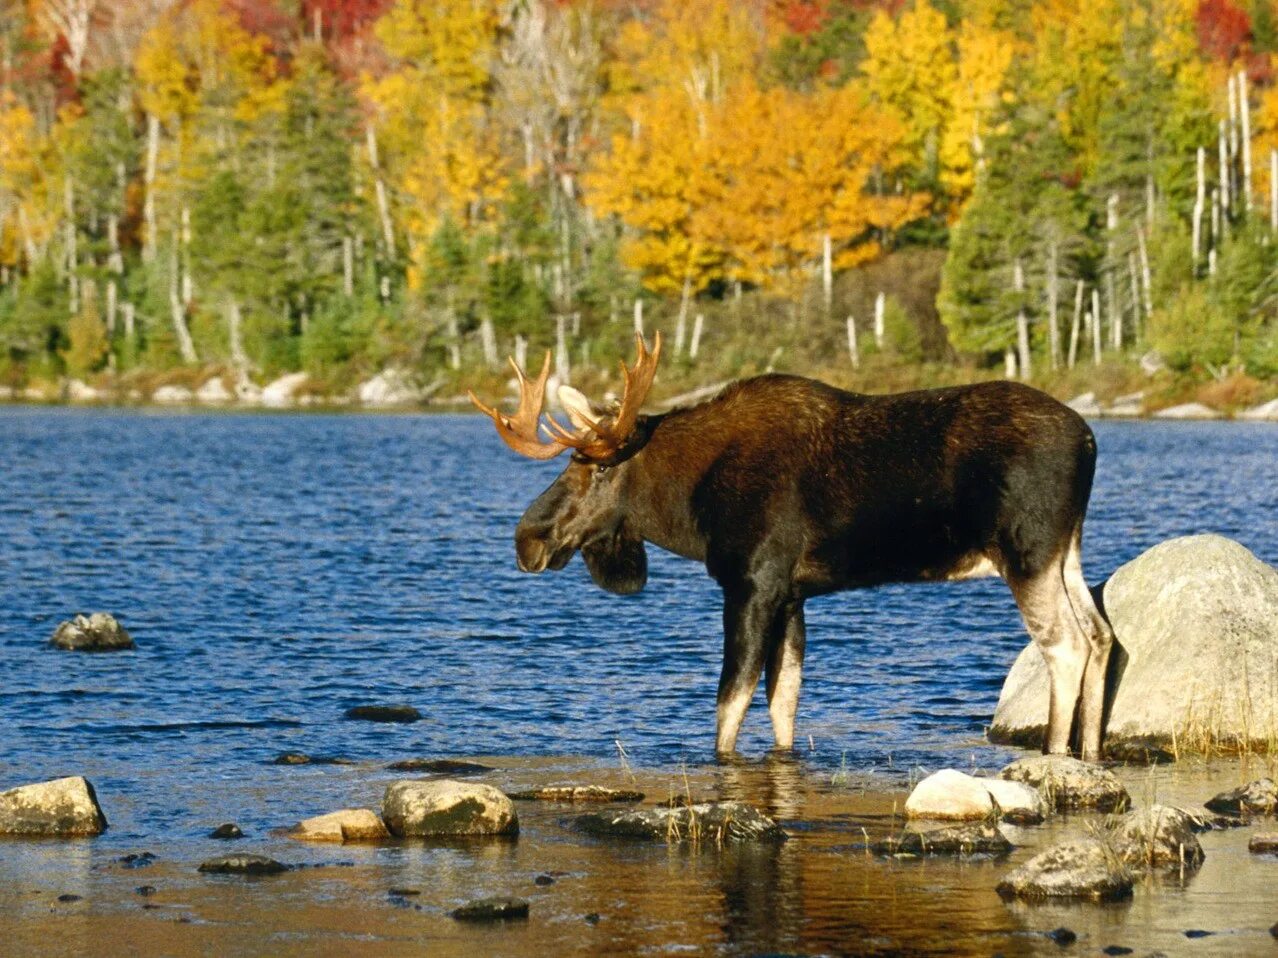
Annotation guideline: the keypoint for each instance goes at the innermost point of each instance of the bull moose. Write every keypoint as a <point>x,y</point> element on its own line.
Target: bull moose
<point>787,488</point>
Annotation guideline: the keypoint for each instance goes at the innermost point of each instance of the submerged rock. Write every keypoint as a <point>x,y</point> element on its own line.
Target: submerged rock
<point>711,823</point>
<point>384,713</point>
<point>1196,620</point>
<point>577,793</point>
<point>1087,869</point>
<point>1204,820</point>
<point>492,909</point>
<point>963,841</point>
<point>62,807</point>
<point>1264,844</point>
<point>1067,783</point>
<point>441,766</point>
<point>99,632</point>
<point>347,825</point>
<point>1255,798</point>
<point>1156,837</point>
<point>301,758</point>
<point>443,807</point>
<point>226,831</point>
<point>242,865</point>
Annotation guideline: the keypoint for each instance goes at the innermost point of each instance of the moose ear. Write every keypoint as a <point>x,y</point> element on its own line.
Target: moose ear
<point>618,564</point>
<point>580,412</point>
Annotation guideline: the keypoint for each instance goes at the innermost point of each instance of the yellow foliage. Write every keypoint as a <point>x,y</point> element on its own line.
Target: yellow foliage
<point>984,57</point>
<point>30,197</point>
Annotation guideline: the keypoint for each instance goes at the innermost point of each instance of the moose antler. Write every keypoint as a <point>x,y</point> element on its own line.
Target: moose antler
<point>601,439</point>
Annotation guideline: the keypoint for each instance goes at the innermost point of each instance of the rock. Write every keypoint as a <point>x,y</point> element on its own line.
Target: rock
<point>446,807</point>
<point>1203,820</point>
<point>1132,752</point>
<point>62,807</point>
<point>242,865</point>
<point>214,392</point>
<point>492,909</point>
<point>1197,626</point>
<point>390,387</point>
<point>70,898</point>
<point>301,758</point>
<point>963,841</point>
<point>1085,405</point>
<point>79,391</point>
<point>384,713</point>
<point>441,766</point>
<point>172,395</point>
<point>577,793</point>
<point>1255,798</point>
<point>710,823</point>
<point>1157,836</point>
<point>348,825</point>
<point>1264,844</point>
<point>1086,868</point>
<point>1130,406</point>
<point>1188,410</point>
<point>146,891</point>
<point>1266,410</point>
<point>99,632</point>
<point>949,795</point>
<point>1067,783</point>
<point>137,859</point>
<point>283,391</point>
<point>227,831</point>
<point>544,880</point>
<point>1018,803</point>
<point>1152,363</point>
<point>1062,936</point>
<point>248,392</point>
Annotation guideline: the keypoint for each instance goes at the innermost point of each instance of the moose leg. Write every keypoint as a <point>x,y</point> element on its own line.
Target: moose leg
<point>1100,640</point>
<point>785,674</point>
<point>749,619</point>
<point>1049,619</point>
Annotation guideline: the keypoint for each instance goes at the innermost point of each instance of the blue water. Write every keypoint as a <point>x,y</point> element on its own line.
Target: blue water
<point>276,570</point>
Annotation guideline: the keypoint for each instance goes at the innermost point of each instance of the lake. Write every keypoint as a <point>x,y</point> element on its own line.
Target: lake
<point>278,569</point>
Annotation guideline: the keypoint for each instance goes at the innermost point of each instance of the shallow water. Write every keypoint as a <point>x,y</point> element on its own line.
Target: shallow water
<point>276,570</point>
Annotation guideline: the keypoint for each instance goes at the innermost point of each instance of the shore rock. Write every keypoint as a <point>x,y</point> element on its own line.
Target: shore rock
<point>348,825</point>
<point>384,713</point>
<point>1265,844</point>
<point>227,831</point>
<point>949,795</point>
<point>440,766</point>
<point>1156,837</point>
<point>963,841</point>
<point>1018,803</point>
<point>242,865</point>
<point>283,391</point>
<point>62,807</point>
<point>390,387</point>
<point>79,391</point>
<point>1067,783</point>
<point>1129,406</point>
<point>443,807</point>
<point>492,909</point>
<point>1197,625</point>
<point>172,395</point>
<point>1255,798</point>
<point>1188,410</point>
<point>1266,410</point>
<point>577,793</point>
<point>99,632</point>
<point>214,392</point>
<point>711,823</point>
<point>1087,869</point>
<point>1085,405</point>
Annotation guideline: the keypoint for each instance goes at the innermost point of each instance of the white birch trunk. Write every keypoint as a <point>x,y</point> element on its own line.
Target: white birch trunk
<point>827,274</point>
<point>1022,328</point>
<point>638,316</point>
<point>148,181</point>
<point>521,352</point>
<point>1244,113</point>
<point>1273,191</point>
<point>1223,149</point>
<point>562,366</point>
<point>698,325</point>
<point>234,327</point>
<point>1009,363</point>
<point>880,310</point>
<point>1200,200</point>
<point>1096,328</point>
<point>1053,330</point>
<point>186,346</point>
<point>379,187</point>
<point>348,267</point>
<point>1074,325</point>
<point>112,305</point>
<point>1147,279</point>
<point>129,320</point>
<point>685,300</point>
<point>488,338</point>
<point>853,350</point>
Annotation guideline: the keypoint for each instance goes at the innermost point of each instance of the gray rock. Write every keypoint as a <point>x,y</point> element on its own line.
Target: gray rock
<point>1018,803</point>
<point>226,832</point>
<point>62,807</point>
<point>1152,363</point>
<point>390,387</point>
<point>347,825</point>
<point>1265,411</point>
<point>301,758</point>
<point>1203,819</point>
<point>1264,844</point>
<point>99,632</point>
<point>1067,783</point>
<point>1085,404</point>
<point>950,795</point>
<point>1156,837</point>
<point>384,713</point>
<point>1188,410</point>
<point>1087,869</point>
<point>443,807</point>
<point>441,766</point>
<point>962,841</point>
<point>577,793</point>
<point>214,391</point>
<point>172,395</point>
<point>79,391</point>
<point>1197,625</point>
<point>242,865</point>
<point>283,391</point>
<point>711,823</point>
<point>492,909</point>
<point>1128,406</point>
<point>1255,798</point>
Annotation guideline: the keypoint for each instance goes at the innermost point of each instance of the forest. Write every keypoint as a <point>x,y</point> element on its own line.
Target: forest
<point>879,192</point>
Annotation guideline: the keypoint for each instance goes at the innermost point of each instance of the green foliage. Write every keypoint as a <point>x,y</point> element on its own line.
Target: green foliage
<point>87,346</point>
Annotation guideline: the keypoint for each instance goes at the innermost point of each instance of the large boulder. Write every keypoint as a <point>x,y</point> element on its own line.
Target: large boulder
<point>444,807</point>
<point>1266,410</point>
<point>951,795</point>
<point>99,632</point>
<point>1255,798</point>
<point>1087,869</point>
<point>62,807</point>
<point>708,823</point>
<point>1196,620</point>
<point>390,387</point>
<point>1067,783</point>
<point>283,391</point>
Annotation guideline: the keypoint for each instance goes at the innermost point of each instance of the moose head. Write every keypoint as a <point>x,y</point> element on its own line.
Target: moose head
<point>585,508</point>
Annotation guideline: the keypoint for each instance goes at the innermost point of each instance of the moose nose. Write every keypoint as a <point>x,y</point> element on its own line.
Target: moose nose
<point>531,554</point>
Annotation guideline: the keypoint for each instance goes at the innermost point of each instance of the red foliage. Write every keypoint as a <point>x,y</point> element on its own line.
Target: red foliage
<point>805,17</point>
<point>268,18</point>
<point>342,19</point>
<point>1223,29</point>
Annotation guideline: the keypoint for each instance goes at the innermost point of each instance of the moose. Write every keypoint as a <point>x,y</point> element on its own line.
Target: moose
<point>788,488</point>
